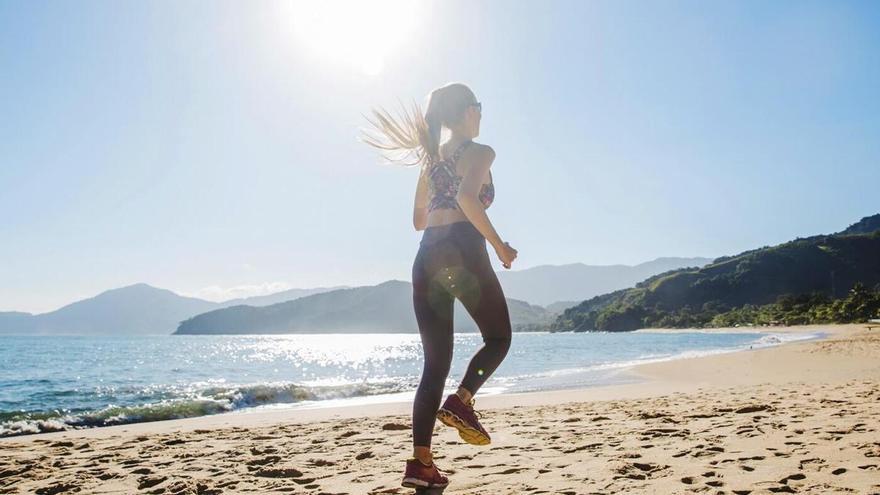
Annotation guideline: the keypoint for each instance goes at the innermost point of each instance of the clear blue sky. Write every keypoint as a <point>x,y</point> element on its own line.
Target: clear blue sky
<point>203,144</point>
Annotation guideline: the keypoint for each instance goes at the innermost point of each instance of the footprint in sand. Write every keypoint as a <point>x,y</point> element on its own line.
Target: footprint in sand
<point>395,427</point>
<point>150,481</point>
<point>638,470</point>
<point>430,491</point>
<point>279,473</point>
<point>793,477</point>
<point>782,489</point>
<point>512,470</point>
<point>813,464</point>
<point>58,488</point>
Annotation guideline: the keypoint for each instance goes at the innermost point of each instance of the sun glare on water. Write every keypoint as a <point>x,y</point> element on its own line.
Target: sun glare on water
<point>358,33</point>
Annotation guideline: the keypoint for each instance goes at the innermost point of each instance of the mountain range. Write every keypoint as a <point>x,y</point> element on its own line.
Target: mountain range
<point>663,292</point>
<point>143,309</point>
<point>132,310</point>
<point>386,307</point>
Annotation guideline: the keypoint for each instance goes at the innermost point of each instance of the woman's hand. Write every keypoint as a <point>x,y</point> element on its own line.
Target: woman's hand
<point>506,254</point>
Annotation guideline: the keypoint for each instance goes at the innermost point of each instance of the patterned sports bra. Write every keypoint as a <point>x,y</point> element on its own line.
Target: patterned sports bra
<point>443,183</point>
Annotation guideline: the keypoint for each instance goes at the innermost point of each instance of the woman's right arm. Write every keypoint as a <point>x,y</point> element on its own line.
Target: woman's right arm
<point>468,198</point>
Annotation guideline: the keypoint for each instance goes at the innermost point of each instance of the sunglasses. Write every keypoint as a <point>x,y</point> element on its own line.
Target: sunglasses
<point>478,105</point>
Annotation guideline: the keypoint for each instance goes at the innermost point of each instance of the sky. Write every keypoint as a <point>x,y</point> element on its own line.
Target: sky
<point>210,147</point>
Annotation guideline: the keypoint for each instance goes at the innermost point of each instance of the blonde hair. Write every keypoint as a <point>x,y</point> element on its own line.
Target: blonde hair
<point>413,137</point>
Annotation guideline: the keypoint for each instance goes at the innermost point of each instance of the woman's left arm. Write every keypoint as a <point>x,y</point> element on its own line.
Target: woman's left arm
<point>420,205</point>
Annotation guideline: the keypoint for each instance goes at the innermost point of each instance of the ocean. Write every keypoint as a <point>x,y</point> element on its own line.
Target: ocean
<point>62,383</point>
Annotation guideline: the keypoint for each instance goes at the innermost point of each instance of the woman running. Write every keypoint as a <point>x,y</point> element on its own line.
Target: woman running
<point>454,189</point>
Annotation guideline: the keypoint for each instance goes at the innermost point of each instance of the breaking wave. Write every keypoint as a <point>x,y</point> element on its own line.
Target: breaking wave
<point>209,400</point>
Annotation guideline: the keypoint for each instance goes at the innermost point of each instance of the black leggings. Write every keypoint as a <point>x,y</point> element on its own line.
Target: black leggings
<point>452,262</point>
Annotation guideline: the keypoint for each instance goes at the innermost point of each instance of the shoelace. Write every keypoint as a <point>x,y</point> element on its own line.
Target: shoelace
<point>477,413</point>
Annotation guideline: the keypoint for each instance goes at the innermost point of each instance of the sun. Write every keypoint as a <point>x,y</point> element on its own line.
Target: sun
<point>359,33</point>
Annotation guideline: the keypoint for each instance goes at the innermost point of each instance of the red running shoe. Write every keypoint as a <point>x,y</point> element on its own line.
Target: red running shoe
<point>419,475</point>
<point>455,413</point>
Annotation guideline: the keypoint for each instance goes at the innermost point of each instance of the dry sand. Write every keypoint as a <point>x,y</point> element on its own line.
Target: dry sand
<point>799,418</point>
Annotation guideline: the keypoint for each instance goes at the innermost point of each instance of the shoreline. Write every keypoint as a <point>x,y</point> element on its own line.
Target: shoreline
<point>832,329</point>
<point>639,381</point>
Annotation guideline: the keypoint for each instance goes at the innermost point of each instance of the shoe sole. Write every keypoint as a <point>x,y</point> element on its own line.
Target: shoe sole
<point>417,483</point>
<point>470,435</point>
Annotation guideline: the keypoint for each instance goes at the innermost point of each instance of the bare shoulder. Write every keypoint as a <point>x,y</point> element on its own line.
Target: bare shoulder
<point>482,151</point>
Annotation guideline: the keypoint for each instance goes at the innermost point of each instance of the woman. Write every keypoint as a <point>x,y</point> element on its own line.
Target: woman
<point>454,189</point>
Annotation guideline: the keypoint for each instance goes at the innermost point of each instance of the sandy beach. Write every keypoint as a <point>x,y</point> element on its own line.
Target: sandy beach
<point>797,418</point>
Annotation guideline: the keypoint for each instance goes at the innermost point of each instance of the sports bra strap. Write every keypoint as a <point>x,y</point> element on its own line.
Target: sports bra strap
<point>455,154</point>
<point>459,150</point>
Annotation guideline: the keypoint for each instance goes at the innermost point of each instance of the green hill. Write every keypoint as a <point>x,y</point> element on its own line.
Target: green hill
<point>386,307</point>
<point>802,281</point>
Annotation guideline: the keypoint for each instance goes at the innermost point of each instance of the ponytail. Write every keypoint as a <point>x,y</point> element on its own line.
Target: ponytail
<point>434,126</point>
<point>413,137</point>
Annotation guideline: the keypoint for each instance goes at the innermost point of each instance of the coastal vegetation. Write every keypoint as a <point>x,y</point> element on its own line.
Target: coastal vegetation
<point>821,279</point>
